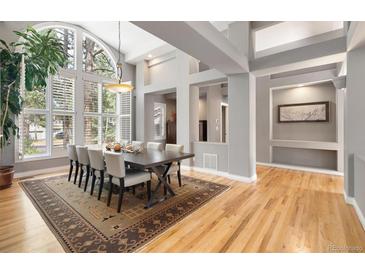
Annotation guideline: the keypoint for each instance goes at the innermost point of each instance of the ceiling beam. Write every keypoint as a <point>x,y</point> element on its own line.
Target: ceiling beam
<point>258,25</point>
<point>200,40</point>
<point>356,35</point>
<point>327,52</point>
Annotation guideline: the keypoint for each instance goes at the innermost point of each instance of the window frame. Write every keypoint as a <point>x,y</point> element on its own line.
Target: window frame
<point>78,113</point>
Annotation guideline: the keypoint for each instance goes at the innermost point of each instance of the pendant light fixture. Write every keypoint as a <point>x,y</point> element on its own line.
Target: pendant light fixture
<point>120,86</point>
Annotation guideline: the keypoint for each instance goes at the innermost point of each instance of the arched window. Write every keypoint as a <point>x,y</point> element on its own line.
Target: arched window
<point>74,108</point>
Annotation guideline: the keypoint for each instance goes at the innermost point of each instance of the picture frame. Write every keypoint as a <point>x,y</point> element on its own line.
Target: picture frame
<point>304,112</point>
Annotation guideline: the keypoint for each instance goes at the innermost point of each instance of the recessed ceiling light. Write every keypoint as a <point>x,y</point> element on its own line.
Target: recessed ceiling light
<point>149,55</point>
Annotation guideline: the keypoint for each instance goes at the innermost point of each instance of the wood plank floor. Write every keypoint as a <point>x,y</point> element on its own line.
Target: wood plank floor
<point>285,211</point>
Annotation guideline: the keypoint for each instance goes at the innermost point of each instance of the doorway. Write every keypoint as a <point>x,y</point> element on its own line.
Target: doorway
<point>224,120</point>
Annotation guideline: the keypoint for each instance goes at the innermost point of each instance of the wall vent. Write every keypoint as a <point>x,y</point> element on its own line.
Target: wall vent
<point>210,161</point>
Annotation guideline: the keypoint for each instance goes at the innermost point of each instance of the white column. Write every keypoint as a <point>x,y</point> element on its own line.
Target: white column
<point>354,116</point>
<point>242,126</point>
<point>79,95</point>
<point>187,106</point>
<point>340,117</point>
<point>241,111</point>
<point>141,68</point>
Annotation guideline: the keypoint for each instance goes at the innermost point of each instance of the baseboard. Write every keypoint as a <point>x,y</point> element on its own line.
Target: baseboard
<point>352,201</point>
<point>40,171</point>
<point>303,168</point>
<point>239,178</point>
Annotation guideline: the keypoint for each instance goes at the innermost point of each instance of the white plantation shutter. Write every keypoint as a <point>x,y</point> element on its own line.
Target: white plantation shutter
<point>91,96</point>
<point>126,115</point>
<point>63,93</point>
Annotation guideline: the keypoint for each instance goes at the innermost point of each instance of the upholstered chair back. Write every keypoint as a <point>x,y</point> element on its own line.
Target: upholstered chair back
<point>174,148</point>
<point>154,146</point>
<point>96,159</point>
<point>82,155</point>
<point>115,164</point>
<point>137,145</point>
<point>71,151</point>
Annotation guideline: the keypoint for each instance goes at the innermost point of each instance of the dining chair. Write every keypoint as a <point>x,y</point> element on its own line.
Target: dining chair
<point>123,178</point>
<point>84,162</point>
<point>154,146</point>
<point>136,145</point>
<point>175,167</point>
<point>97,170</point>
<point>72,156</point>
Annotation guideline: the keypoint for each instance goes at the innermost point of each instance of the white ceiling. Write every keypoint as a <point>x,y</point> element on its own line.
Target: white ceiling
<point>133,39</point>
<point>291,31</point>
<point>136,43</point>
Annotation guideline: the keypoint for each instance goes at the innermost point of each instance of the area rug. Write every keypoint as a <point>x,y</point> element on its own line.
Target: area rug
<point>81,223</point>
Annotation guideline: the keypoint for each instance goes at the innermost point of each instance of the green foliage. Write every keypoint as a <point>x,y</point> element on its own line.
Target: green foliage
<point>43,55</point>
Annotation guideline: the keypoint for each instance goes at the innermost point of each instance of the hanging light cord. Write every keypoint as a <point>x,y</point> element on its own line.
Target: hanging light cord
<point>119,42</point>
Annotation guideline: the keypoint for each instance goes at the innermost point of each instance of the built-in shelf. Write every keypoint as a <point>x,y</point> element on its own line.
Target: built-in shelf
<point>305,144</point>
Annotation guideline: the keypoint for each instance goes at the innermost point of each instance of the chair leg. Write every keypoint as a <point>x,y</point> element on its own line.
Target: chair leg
<point>101,184</point>
<point>110,190</point>
<point>76,172</point>
<point>87,177</point>
<point>148,190</point>
<point>93,183</point>
<point>169,179</point>
<point>121,191</point>
<point>179,175</point>
<point>81,174</point>
<point>134,190</point>
<point>70,172</point>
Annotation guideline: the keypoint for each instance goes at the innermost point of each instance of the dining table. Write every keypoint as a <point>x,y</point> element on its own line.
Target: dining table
<point>158,162</point>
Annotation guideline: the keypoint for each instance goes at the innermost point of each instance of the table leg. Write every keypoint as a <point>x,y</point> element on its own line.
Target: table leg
<point>161,174</point>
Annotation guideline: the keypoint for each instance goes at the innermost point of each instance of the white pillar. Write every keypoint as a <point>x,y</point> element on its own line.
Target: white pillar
<point>141,75</point>
<point>187,105</point>
<point>242,110</point>
<point>242,126</point>
<point>354,115</point>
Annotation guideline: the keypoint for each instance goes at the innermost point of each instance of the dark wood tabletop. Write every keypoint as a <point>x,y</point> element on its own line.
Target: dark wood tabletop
<point>153,158</point>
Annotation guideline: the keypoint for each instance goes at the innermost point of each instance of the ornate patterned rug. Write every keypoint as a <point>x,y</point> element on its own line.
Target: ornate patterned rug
<point>81,223</point>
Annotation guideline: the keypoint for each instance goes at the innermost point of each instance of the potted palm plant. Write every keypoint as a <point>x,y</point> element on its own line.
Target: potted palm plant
<point>25,64</point>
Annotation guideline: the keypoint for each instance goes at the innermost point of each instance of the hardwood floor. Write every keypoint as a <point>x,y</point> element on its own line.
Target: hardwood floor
<point>285,211</point>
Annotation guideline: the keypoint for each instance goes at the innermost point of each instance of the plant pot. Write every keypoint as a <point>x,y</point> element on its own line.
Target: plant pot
<point>6,176</point>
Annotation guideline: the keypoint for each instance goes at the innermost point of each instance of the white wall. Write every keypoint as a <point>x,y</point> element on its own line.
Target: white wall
<point>203,108</point>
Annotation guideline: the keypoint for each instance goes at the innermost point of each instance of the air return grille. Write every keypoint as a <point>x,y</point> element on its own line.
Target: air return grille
<point>210,161</point>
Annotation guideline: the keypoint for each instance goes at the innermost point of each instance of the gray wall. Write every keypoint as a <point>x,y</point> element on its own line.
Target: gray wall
<point>263,119</point>
<point>210,101</point>
<point>321,131</point>
<point>199,148</point>
<point>150,99</point>
<point>214,99</point>
<point>354,116</point>
<point>203,108</point>
<point>296,131</point>
<point>305,157</point>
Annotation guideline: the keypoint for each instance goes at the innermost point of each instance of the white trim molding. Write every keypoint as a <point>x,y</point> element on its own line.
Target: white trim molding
<point>239,178</point>
<point>302,168</point>
<point>40,171</point>
<point>352,201</point>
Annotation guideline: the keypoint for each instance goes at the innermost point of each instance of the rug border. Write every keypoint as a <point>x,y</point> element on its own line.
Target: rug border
<point>48,222</point>
<point>64,244</point>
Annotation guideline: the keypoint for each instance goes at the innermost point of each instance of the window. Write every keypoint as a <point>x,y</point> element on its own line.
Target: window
<point>96,59</point>
<point>159,120</point>
<point>62,133</point>
<point>125,117</point>
<point>34,135</point>
<point>48,121</point>
<point>67,36</point>
<point>104,121</point>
